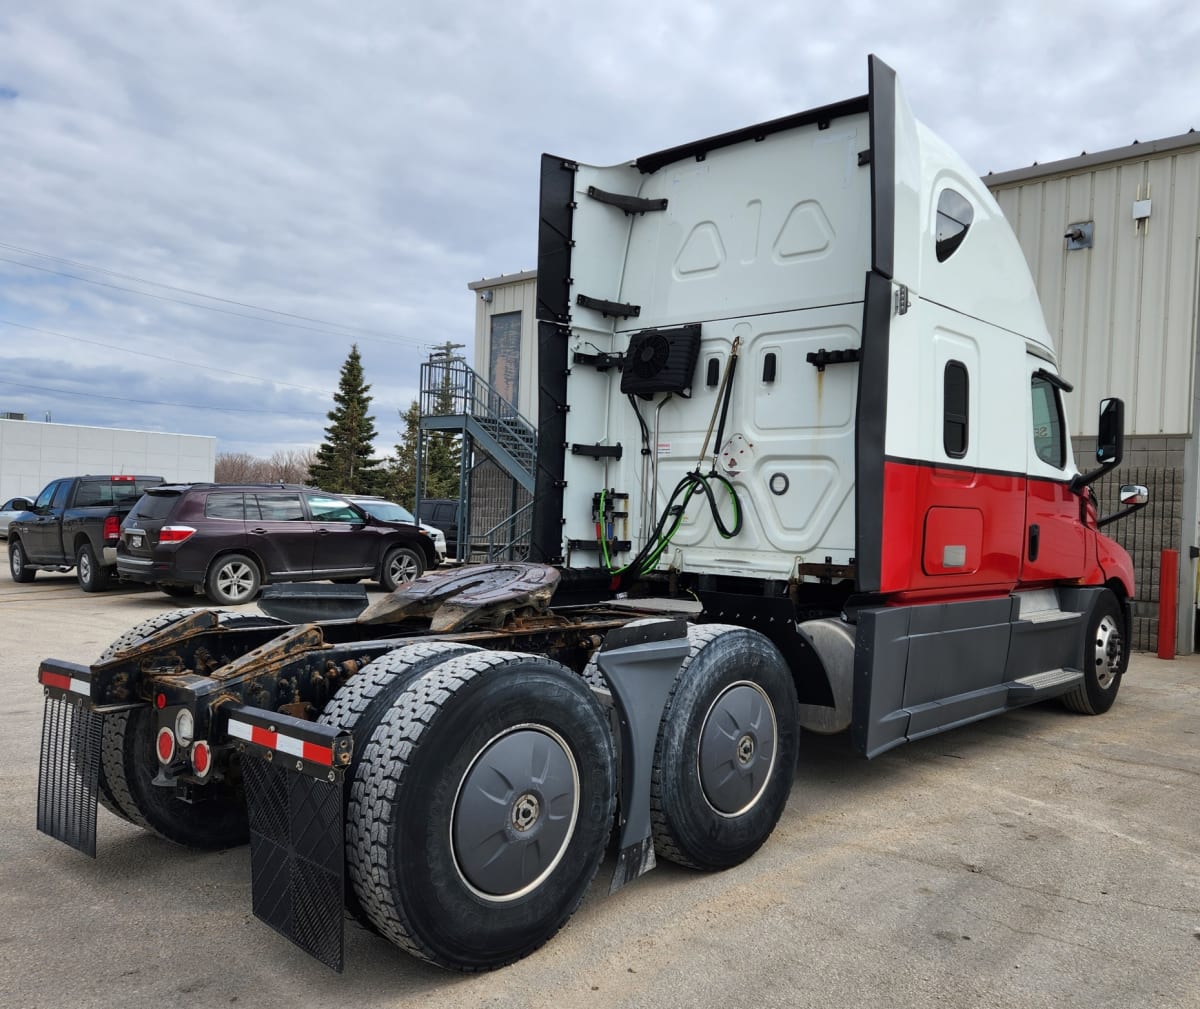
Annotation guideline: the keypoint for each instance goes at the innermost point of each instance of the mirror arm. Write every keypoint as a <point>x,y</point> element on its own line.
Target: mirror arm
<point>1081,480</point>
<point>1100,523</point>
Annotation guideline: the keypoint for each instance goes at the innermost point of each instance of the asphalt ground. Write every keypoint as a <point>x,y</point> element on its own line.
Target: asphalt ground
<point>1038,859</point>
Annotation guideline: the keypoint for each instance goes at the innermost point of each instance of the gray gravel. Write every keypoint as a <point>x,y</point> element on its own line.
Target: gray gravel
<point>1038,859</point>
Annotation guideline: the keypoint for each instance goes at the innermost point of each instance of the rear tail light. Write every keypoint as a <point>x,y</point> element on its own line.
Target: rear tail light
<point>165,745</point>
<point>174,534</point>
<point>112,529</point>
<point>201,758</point>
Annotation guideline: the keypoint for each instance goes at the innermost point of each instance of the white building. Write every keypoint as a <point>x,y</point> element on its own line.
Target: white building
<point>33,453</point>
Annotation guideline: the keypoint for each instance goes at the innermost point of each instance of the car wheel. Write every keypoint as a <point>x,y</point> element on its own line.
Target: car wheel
<point>21,572</point>
<point>401,565</point>
<point>232,580</point>
<point>92,575</point>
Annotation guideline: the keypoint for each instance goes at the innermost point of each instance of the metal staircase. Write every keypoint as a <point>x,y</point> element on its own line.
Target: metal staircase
<point>453,398</point>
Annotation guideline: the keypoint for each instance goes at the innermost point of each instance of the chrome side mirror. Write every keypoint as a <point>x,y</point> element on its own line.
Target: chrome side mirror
<point>1134,494</point>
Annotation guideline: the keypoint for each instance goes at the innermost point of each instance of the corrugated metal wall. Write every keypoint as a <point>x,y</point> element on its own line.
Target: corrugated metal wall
<point>1123,313</point>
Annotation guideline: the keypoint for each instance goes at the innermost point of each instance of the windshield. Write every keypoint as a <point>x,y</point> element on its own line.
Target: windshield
<point>385,511</point>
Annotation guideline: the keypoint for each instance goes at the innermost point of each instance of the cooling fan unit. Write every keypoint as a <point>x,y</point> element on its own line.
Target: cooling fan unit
<point>661,360</point>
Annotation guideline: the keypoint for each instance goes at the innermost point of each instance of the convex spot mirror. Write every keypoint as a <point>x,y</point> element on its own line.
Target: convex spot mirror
<point>1134,494</point>
<point>1111,437</point>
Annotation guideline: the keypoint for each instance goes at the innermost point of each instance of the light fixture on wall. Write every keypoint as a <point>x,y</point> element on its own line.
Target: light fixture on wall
<point>1079,236</point>
<point>485,296</point>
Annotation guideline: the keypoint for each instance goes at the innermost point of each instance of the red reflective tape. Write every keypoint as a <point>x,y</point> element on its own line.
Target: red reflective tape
<point>59,680</point>
<point>262,737</point>
<point>318,754</point>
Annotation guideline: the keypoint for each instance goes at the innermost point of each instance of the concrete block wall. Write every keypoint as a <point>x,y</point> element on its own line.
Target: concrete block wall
<point>1158,464</point>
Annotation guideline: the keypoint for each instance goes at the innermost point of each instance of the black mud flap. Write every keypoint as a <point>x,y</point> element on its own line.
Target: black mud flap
<point>69,771</point>
<point>297,840</point>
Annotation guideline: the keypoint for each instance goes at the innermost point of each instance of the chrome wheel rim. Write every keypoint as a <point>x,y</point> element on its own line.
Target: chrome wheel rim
<point>738,746</point>
<point>514,813</point>
<point>1109,647</point>
<point>235,581</point>
<point>85,567</point>
<point>14,560</point>
<point>403,569</point>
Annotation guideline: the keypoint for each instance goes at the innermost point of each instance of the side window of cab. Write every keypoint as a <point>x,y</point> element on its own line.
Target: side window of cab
<point>954,217</point>
<point>1048,428</point>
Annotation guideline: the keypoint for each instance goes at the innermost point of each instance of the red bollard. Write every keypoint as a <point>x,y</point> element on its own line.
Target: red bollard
<point>1168,583</point>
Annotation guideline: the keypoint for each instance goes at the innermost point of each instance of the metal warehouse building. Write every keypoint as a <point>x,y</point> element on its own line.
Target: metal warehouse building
<point>1112,240</point>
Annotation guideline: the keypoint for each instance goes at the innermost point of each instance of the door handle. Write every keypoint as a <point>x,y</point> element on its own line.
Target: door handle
<point>322,532</point>
<point>258,530</point>
<point>1034,538</point>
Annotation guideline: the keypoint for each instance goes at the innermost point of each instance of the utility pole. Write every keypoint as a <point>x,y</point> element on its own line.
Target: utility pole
<point>445,351</point>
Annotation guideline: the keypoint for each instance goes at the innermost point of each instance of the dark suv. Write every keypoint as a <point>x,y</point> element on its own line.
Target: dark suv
<point>231,539</point>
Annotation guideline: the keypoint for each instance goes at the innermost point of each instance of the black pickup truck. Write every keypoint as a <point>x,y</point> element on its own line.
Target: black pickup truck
<point>75,523</point>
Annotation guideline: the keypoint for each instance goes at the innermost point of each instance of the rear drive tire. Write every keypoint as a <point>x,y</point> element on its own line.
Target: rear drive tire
<point>360,705</point>
<point>115,791</point>
<point>232,580</point>
<point>400,566</point>
<point>129,764</point>
<point>92,575</point>
<point>726,750</point>
<point>485,800</point>
<point>21,571</point>
<point>1105,658</point>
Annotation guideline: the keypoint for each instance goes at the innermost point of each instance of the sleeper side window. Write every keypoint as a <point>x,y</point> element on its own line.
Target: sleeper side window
<point>955,393</point>
<point>1048,428</point>
<point>954,217</point>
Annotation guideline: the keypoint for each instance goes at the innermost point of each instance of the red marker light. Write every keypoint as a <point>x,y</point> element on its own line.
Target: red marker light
<point>201,758</point>
<point>160,701</point>
<point>165,745</point>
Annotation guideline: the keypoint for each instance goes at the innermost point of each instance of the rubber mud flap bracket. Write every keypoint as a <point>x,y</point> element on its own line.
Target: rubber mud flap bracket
<point>640,665</point>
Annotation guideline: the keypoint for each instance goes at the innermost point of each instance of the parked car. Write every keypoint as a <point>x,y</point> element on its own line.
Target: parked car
<point>389,511</point>
<point>10,510</point>
<point>230,539</point>
<point>74,523</point>
<point>443,513</point>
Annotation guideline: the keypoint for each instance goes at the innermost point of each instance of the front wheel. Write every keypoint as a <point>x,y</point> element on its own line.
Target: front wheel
<point>92,575</point>
<point>487,790</point>
<point>21,571</point>
<point>232,580</point>
<point>400,566</point>
<point>1105,656</point>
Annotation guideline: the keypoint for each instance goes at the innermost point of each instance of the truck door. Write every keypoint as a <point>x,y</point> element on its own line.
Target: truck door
<point>41,538</point>
<point>1054,536</point>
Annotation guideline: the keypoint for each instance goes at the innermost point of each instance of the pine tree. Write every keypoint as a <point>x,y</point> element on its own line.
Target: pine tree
<point>345,463</point>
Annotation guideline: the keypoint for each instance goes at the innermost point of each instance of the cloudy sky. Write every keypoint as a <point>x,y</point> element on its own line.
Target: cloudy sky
<point>204,204</point>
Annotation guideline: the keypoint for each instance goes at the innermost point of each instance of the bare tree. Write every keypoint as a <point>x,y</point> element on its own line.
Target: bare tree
<point>285,466</point>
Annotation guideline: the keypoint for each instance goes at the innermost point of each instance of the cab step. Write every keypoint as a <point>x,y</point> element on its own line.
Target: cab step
<point>1040,686</point>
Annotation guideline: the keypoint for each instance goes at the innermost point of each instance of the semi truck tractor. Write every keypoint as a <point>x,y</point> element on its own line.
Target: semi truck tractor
<point>802,465</point>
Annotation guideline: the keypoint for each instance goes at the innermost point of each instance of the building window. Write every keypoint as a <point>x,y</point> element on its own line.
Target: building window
<point>955,390</point>
<point>954,217</point>
<point>1048,427</point>
<point>504,364</point>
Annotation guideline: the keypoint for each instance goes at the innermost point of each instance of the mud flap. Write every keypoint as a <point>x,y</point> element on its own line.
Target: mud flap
<point>69,771</point>
<point>294,776</point>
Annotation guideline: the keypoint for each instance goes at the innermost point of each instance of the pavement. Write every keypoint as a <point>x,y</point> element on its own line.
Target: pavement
<point>1041,858</point>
